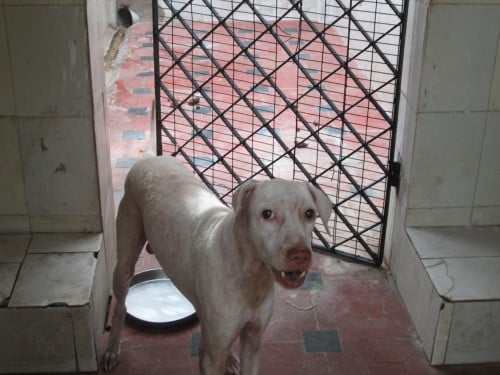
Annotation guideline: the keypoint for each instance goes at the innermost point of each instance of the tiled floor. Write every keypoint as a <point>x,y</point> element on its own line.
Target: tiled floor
<point>346,319</point>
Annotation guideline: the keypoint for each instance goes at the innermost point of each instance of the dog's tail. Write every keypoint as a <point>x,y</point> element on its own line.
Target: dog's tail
<point>151,148</point>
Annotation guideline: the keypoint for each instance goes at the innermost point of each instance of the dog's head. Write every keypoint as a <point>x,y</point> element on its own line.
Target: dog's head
<point>277,218</point>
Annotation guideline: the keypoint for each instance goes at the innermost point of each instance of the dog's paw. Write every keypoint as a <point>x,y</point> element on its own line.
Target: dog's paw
<point>109,360</point>
<point>232,365</point>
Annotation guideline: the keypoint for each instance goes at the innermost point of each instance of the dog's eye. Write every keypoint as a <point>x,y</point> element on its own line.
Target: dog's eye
<point>267,214</point>
<point>310,213</point>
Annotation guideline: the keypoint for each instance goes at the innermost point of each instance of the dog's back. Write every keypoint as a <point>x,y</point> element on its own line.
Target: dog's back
<point>174,207</point>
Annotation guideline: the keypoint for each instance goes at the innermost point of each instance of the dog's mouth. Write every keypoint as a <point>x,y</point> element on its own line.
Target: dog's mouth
<point>290,279</point>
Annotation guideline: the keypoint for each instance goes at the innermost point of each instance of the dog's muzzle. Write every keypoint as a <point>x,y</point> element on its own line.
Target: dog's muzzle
<point>297,263</point>
<point>290,279</point>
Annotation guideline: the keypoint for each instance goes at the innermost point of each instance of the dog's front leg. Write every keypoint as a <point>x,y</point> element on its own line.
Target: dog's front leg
<point>216,357</point>
<point>213,360</point>
<point>251,338</point>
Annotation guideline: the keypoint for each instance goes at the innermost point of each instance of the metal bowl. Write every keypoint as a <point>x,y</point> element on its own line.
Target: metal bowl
<point>154,301</point>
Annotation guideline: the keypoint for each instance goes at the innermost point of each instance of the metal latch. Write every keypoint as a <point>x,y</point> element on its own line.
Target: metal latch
<point>394,173</point>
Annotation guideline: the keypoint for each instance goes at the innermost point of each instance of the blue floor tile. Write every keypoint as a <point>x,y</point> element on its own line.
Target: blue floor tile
<point>202,110</point>
<point>138,111</point>
<point>133,135</point>
<point>206,132</point>
<point>201,73</point>
<point>313,282</point>
<point>245,31</point>
<point>265,108</point>
<point>252,56</point>
<point>145,74</point>
<point>125,162</point>
<point>322,341</point>
<point>261,89</point>
<point>195,344</point>
<point>335,131</point>
<point>142,90</point>
<point>118,195</point>
<point>202,161</point>
<point>254,71</point>
<point>266,133</point>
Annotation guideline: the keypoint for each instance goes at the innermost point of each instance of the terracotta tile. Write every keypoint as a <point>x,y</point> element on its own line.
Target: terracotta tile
<point>289,358</point>
<point>293,314</point>
<point>382,350</point>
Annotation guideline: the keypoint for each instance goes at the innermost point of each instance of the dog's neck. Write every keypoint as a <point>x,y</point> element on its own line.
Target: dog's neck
<point>251,269</point>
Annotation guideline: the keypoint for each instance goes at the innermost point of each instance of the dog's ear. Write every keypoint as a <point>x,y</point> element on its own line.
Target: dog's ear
<point>241,201</point>
<point>243,194</point>
<point>323,204</point>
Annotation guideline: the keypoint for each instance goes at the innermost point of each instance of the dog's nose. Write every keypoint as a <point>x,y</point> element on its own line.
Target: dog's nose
<point>299,257</point>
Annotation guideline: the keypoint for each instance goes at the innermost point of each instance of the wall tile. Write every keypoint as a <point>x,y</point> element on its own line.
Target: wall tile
<point>101,290</point>
<point>15,224</point>
<point>65,223</point>
<point>413,59</point>
<point>6,96</point>
<point>457,242</point>
<point>488,185</point>
<point>12,198</point>
<point>40,340</point>
<point>495,86</point>
<point>438,217</point>
<point>442,334</point>
<point>485,215</point>
<point>59,166</point>
<point>465,279</point>
<point>458,77</point>
<point>65,243</point>
<point>446,159</point>
<point>84,343</point>
<point>49,66</point>
<point>472,329</point>
<point>8,274</point>
<point>415,286</point>
<point>62,278</point>
<point>13,248</point>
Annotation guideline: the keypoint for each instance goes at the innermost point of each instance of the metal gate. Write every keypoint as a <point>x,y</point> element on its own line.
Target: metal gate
<point>303,90</point>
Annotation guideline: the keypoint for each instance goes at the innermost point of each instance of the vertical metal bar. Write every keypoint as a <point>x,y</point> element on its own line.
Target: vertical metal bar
<point>156,58</point>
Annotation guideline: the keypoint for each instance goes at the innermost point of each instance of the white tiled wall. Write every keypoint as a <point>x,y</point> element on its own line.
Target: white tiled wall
<point>449,146</point>
<point>487,193</point>
<point>13,195</point>
<point>54,178</point>
<point>49,67</point>
<point>446,159</point>
<point>459,58</point>
<point>455,173</point>
<point>6,99</point>
<point>49,171</point>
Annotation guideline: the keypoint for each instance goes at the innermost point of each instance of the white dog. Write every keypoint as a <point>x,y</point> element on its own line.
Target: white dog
<point>224,261</point>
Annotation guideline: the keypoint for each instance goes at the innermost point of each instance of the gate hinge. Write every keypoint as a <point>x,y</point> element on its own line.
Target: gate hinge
<point>394,173</point>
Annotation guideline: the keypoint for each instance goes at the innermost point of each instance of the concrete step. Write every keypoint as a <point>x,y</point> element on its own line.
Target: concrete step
<point>455,302</point>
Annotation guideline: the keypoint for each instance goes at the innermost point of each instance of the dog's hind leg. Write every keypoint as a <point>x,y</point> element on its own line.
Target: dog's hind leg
<point>130,241</point>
